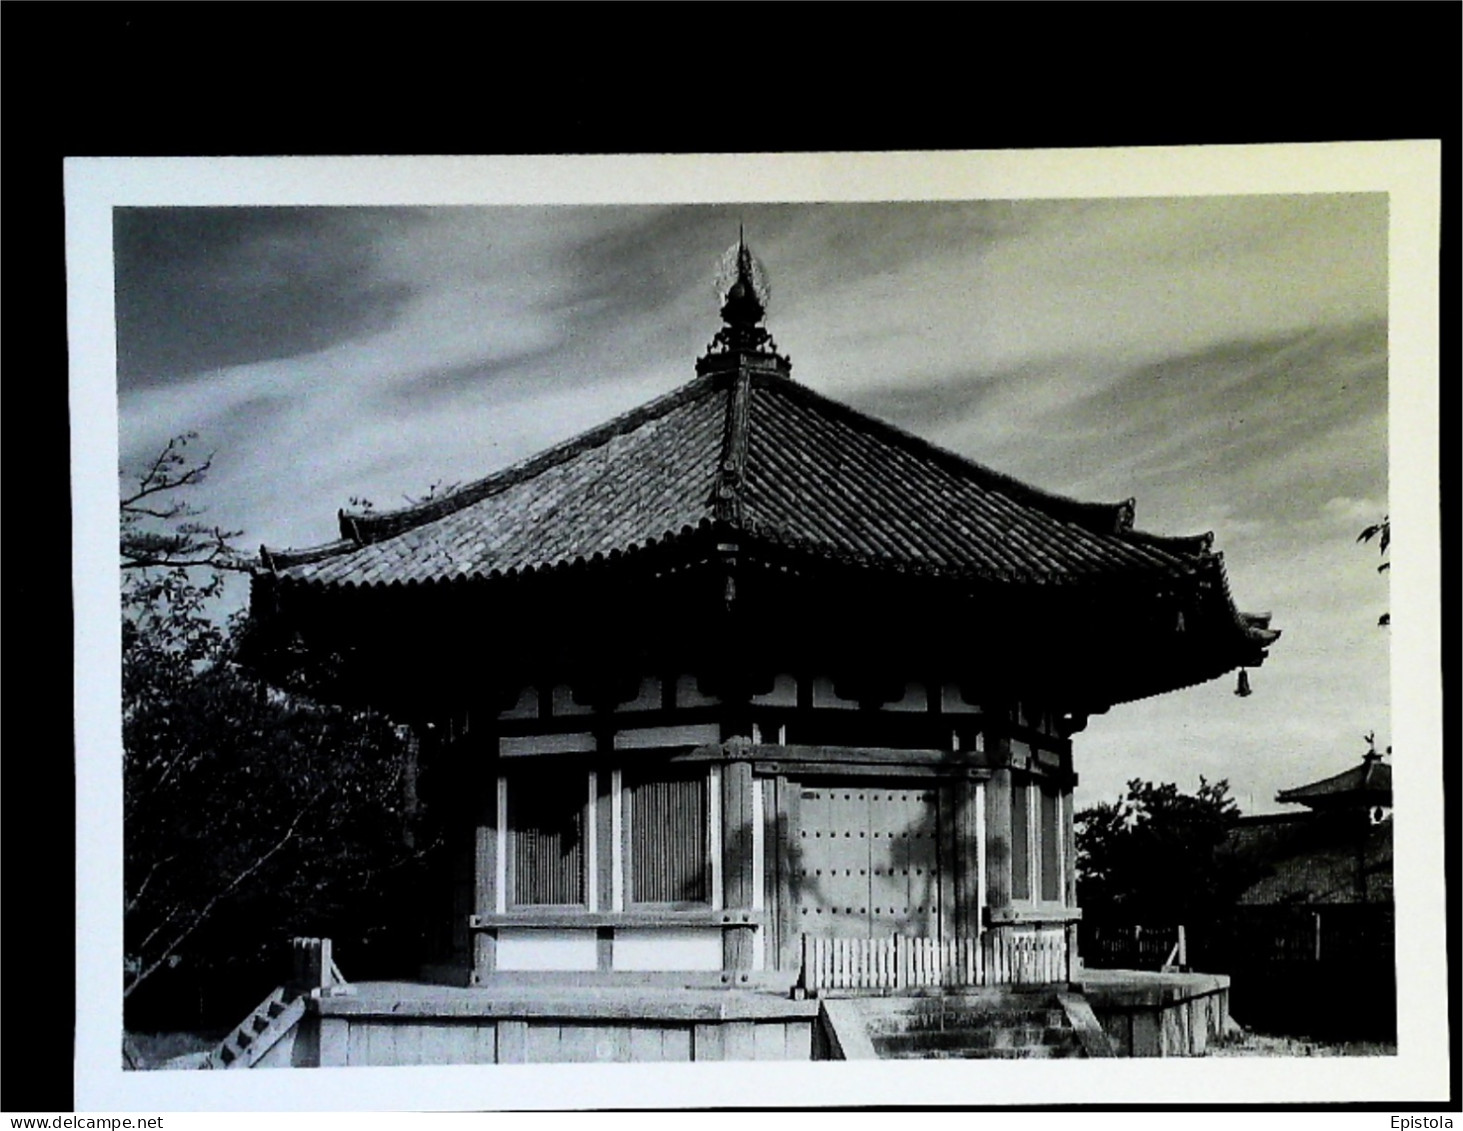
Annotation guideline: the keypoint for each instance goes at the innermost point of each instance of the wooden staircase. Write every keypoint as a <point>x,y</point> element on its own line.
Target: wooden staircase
<point>986,1026</point>
<point>274,1018</point>
<point>270,1020</point>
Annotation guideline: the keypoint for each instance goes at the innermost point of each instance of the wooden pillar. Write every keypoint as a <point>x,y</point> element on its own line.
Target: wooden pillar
<point>947,855</point>
<point>604,835</point>
<point>788,859</point>
<point>998,838</point>
<point>485,895</point>
<point>736,859</point>
<point>1069,861</point>
<point>969,856</point>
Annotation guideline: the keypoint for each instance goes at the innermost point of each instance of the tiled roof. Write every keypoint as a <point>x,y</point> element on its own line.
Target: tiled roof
<point>1367,784</point>
<point>1310,860</point>
<point>769,459</point>
<point>641,478</point>
<point>824,477</point>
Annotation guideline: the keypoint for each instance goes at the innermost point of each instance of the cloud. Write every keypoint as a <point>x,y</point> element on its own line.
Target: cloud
<point>1358,513</point>
<point>201,289</point>
<point>1224,360</point>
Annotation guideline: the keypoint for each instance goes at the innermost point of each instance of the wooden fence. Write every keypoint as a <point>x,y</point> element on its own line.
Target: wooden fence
<point>1002,957</point>
<point>1327,934</point>
<point>1127,946</point>
<point>1247,937</point>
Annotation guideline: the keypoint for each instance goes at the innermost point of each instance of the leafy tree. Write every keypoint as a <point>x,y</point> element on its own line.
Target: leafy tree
<point>1382,533</point>
<point>1159,855</point>
<point>250,813</point>
<point>161,528</point>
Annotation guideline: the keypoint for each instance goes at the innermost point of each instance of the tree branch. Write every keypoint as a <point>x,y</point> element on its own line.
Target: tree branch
<point>218,562</point>
<point>207,909</point>
<point>136,896</point>
<point>190,478</point>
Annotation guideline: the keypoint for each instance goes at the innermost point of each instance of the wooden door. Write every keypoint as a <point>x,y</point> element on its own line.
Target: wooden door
<point>867,862</point>
<point>905,859</point>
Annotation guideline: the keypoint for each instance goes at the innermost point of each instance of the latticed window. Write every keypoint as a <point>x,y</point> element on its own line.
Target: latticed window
<point>668,841</point>
<point>546,839</point>
<point>1036,842</point>
<point>1051,853</point>
<point>1020,840</point>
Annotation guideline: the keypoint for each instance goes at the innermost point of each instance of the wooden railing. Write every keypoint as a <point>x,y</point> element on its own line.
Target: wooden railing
<point>1004,956</point>
<point>315,971</point>
<point>1026,956</point>
<point>1129,946</point>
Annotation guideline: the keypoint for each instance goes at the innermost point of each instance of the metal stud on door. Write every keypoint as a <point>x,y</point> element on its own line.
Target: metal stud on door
<point>869,862</point>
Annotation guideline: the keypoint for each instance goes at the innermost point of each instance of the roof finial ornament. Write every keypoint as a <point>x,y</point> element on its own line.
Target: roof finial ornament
<point>741,284</point>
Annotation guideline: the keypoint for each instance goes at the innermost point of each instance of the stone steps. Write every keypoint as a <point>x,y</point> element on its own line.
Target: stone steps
<point>1014,1027</point>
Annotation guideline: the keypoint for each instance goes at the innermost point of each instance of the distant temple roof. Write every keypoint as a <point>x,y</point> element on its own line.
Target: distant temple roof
<point>1340,852</point>
<point>1368,784</point>
<point>1309,862</point>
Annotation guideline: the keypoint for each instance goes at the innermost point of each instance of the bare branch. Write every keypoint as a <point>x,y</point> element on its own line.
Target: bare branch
<point>190,478</point>
<point>136,896</point>
<point>158,478</point>
<point>187,544</point>
<point>157,930</point>
<point>207,909</point>
<point>192,545</point>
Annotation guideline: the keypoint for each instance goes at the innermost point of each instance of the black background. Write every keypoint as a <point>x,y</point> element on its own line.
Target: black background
<point>235,79</point>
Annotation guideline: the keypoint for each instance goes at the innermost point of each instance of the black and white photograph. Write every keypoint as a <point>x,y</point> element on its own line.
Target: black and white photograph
<point>896,608</point>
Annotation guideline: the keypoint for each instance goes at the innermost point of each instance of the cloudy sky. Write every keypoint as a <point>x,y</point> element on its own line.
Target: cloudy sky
<point>1222,359</point>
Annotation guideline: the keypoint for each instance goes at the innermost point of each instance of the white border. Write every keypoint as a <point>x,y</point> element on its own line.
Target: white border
<point>1408,171</point>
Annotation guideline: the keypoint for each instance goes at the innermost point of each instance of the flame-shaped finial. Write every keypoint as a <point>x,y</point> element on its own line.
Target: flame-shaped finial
<point>741,285</point>
<point>741,276</point>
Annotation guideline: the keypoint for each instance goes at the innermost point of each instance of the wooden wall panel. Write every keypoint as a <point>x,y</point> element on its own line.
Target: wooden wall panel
<point>334,1042</point>
<point>646,1044</point>
<point>676,1043</point>
<point>617,1039</point>
<point>707,1043</point>
<point>966,853</point>
<point>740,1040</point>
<point>577,1043</point>
<point>484,1048</point>
<point>359,1048</point>
<point>799,1040</point>
<point>998,839</point>
<point>445,1043</point>
<point>543,1043</point>
<point>512,1042</point>
<point>381,1042</point>
<point>769,1041</point>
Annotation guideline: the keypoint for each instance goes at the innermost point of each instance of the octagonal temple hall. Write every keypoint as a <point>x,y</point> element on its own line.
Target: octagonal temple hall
<point>740,703</point>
